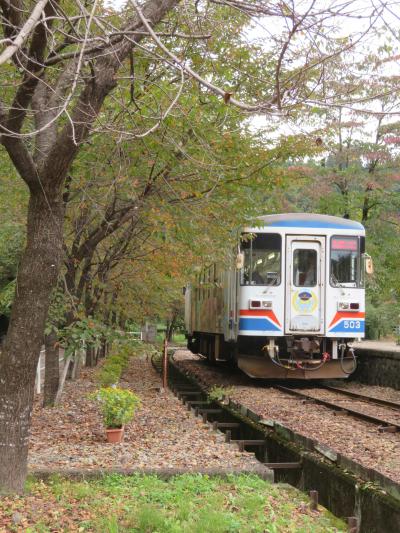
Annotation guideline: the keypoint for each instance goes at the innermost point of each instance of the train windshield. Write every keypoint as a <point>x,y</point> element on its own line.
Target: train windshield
<point>262,259</point>
<point>345,262</point>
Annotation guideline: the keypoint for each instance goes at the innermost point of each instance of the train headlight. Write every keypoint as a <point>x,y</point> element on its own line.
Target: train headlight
<point>260,304</point>
<point>348,306</point>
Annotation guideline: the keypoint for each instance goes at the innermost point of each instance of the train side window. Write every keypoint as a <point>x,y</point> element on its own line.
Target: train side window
<point>262,259</point>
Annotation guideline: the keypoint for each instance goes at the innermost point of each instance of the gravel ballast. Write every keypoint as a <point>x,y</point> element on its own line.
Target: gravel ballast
<point>356,439</point>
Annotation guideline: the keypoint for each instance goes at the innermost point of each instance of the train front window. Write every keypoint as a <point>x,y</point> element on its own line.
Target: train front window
<point>305,268</point>
<point>262,259</point>
<point>345,263</point>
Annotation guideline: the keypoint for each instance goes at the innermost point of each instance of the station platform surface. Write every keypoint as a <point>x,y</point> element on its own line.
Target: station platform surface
<point>380,346</point>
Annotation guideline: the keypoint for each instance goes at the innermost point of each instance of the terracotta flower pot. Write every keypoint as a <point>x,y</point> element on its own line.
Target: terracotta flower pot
<point>115,434</point>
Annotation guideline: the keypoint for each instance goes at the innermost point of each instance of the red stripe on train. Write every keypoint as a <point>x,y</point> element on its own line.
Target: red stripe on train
<point>260,312</point>
<point>346,314</point>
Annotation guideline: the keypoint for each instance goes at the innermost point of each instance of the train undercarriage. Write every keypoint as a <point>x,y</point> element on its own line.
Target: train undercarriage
<point>289,357</point>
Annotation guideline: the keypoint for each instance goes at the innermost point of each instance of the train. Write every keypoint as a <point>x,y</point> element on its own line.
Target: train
<point>290,303</point>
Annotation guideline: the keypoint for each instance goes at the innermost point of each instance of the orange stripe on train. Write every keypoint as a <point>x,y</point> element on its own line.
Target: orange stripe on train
<point>260,312</point>
<point>346,314</point>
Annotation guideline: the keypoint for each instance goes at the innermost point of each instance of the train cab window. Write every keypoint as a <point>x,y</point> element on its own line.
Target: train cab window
<point>305,268</point>
<point>345,262</point>
<point>262,259</point>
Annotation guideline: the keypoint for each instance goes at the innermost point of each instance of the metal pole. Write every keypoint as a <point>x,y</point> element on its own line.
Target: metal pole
<point>165,364</point>
<point>314,500</point>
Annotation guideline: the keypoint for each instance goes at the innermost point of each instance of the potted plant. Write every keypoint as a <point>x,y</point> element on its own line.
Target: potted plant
<point>117,407</point>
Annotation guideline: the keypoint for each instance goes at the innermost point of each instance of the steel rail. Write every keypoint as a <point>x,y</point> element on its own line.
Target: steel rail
<point>384,425</point>
<point>363,397</point>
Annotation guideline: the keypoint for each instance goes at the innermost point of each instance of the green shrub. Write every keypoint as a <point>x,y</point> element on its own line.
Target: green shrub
<point>114,365</point>
<point>219,393</point>
<point>117,406</point>
<point>107,377</point>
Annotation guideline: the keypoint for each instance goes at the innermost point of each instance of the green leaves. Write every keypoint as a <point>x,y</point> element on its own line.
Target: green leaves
<point>117,406</point>
<point>7,297</point>
<point>115,363</point>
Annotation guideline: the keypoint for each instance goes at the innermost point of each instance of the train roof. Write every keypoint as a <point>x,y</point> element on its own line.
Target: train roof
<point>309,220</point>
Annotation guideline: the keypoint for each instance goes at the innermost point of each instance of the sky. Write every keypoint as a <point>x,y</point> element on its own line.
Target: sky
<point>354,21</point>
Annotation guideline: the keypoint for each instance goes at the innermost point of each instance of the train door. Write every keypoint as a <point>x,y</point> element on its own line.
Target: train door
<point>230,305</point>
<point>233,304</point>
<point>305,285</point>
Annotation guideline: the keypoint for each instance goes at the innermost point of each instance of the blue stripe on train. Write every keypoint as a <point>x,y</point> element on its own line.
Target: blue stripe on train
<point>257,324</point>
<point>315,224</point>
<point>349,326</point>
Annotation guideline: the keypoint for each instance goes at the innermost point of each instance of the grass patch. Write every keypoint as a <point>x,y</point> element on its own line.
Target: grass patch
<point>184,504</point>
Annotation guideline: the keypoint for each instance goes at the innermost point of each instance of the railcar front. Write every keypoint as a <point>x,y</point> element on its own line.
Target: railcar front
<point>294,303</point>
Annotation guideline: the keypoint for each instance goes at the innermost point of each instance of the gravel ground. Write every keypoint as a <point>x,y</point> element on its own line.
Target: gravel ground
<point>163,435</point>
<point>387,414</point>
<point>356,439</point>
<point>385,393</point>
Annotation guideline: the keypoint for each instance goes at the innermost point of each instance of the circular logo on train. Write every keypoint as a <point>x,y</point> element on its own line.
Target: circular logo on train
<point>304,301</point>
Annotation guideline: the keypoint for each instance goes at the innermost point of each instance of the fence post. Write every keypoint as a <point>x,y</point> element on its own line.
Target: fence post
<point>165,364</point>
<point>38,374</point>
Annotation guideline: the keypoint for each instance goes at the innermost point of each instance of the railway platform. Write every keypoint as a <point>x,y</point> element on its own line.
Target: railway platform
<point>378,363</point>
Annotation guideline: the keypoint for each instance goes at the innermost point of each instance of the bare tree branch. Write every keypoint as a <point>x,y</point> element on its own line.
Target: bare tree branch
<point>24,32</point>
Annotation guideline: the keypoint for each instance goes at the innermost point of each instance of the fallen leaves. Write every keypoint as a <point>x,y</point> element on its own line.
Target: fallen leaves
<point>162,435</point>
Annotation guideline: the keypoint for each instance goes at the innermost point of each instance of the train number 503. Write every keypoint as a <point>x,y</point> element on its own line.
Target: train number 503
<point>352,324</point>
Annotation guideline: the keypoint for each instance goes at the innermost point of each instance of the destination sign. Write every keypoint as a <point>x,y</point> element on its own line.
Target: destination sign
<point>345,244</point>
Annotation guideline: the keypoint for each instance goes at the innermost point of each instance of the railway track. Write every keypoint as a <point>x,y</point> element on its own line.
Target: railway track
<point>363,397</point>
<point>290,462</point>
<point>390,423</point>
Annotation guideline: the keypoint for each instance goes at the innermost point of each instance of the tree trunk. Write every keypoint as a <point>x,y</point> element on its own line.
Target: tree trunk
<point>37,275</point>
<point>103,348</point>
<point>170,328</point>
<point>90,357</point>
<point>52,369</point>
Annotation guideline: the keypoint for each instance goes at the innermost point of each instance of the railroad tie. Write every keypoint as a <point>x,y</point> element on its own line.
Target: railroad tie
<point>204,411</point>
<point>283,466</point>
<point>388,429</point>
<point>191,403</point>
<point>248,442</point>
<point>216,425</point>
<point>182,395</point>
